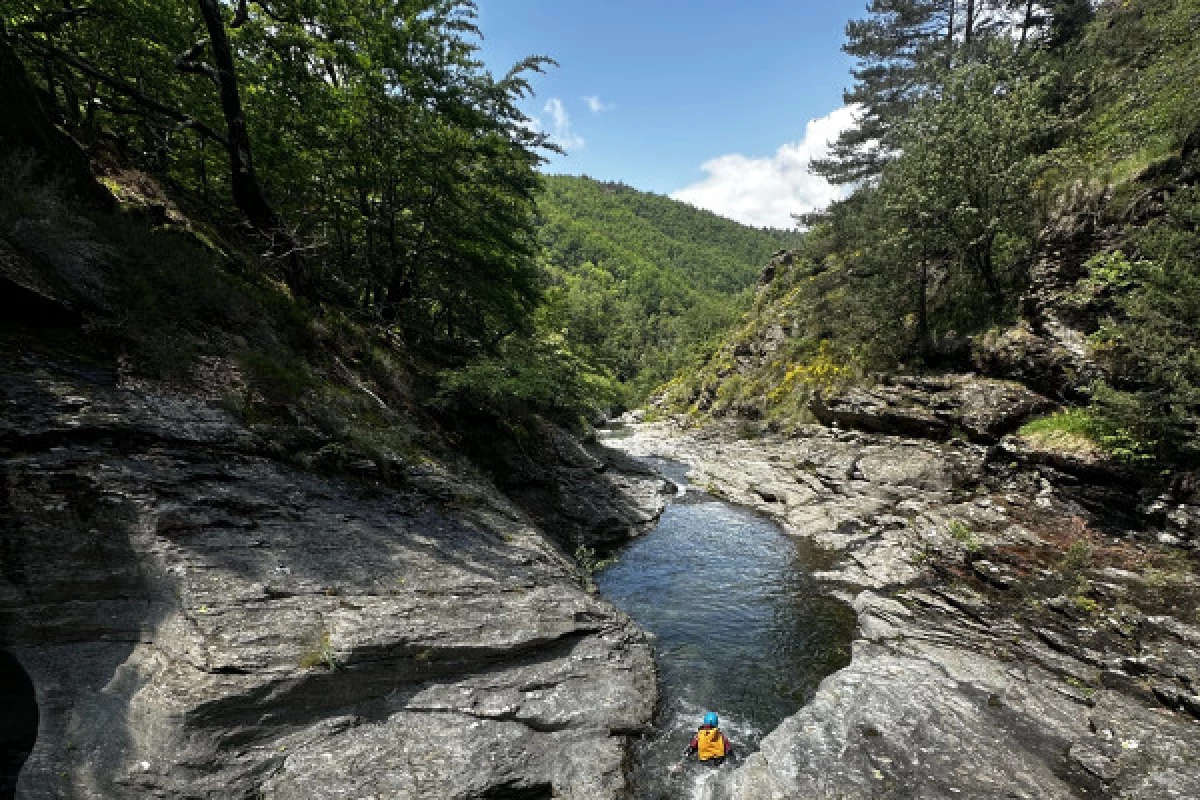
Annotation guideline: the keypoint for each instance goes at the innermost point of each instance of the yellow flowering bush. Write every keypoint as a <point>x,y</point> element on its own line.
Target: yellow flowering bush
<point>823,372</point>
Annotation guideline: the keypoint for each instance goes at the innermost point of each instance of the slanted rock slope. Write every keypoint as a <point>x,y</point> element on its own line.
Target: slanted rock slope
<point>201,619</point>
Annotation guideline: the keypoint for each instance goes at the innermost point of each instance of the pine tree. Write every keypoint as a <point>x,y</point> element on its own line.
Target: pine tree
<point>905,48</point>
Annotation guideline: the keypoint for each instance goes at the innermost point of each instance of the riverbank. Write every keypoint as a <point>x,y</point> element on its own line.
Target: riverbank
<point>1021,633</point>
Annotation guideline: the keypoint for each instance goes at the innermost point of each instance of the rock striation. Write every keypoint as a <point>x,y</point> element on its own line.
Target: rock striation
<point>202,619</point>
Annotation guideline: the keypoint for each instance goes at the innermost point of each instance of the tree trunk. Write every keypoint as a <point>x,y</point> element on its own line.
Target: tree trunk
<point>987,271</point>
<point>24,125</point>
<point>923,308</point>
<point>969,25</point>
<point>247,191</point>
<point>950,36</point>
<point>1026,24</point>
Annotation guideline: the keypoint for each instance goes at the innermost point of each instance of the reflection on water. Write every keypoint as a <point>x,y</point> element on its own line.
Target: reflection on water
<point>741,627</point>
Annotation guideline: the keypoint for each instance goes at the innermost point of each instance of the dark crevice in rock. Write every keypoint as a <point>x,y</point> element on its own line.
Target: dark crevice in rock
<point>18,722</point>
<point>518,791</point>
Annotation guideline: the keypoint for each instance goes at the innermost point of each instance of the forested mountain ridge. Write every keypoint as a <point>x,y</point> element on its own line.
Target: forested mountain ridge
<point>643,283</point>
<point>1034,192</point>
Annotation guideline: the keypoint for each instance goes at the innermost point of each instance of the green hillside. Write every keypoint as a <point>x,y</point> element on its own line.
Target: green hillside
<point>640,284</point>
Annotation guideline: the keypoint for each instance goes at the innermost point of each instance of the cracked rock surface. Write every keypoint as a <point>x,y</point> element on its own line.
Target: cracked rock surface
<point>200,619</point>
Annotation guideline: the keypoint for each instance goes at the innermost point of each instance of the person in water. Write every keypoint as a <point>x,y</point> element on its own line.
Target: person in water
<point>709,744</point>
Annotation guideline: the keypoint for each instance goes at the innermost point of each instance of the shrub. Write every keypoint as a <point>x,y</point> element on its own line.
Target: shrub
<point>529,374</point>
<point>963,535</point>
<point>589,563</point>
<point>320,654</point>
<point>1077,558</point>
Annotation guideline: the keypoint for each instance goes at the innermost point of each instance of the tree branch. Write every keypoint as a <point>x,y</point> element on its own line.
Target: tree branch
<point>189,61</point>
<point>128,90</point>
<point>275,15</point>
<point>241,15</point>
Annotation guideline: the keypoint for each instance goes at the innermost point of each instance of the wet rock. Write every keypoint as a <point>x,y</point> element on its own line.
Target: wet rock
<point>580,493</point>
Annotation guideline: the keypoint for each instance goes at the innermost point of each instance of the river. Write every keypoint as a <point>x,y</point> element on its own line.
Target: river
<point>741,627</point>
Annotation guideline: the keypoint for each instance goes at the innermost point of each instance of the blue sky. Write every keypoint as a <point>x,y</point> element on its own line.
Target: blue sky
<point>708,100</point>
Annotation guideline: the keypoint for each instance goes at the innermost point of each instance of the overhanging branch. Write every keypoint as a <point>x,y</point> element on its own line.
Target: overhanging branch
<point>127,89</point>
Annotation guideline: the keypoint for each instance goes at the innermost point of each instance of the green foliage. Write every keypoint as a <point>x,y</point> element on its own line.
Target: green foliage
<point>905,49</point>
<point>403,168</point>
<point>1075,421</point>
<point>525,375</point>
<point>1108,273</point>
<point>589,563</point>
<point>1153,343</point>
<point>969,144</point>
<point>1077,558</point>
<point>824,373</point>
<point>1134,85</point>
<point>1088,432</point>
<point>1085,604</point>
<point>962,534</point>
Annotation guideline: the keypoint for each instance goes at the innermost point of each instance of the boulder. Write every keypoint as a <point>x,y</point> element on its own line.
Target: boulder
<point>936,407</point>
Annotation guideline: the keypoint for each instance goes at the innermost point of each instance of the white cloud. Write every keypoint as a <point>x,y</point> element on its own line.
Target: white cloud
<point>596,105</point>
<point>559,127</point>
<point>767,191</point>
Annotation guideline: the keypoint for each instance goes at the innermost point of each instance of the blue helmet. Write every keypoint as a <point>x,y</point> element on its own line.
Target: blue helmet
<point>711,719</point>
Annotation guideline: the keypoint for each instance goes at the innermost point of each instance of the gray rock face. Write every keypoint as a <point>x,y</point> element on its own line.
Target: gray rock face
<point>200,620</point>
<point>934,407</point>
<point>1048,350</point>
<point>1010,645</point>
<point>927,709</point>
<point>580,494</point>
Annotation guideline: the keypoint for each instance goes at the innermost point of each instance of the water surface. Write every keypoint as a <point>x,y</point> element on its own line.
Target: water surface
<point>741,627</point>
